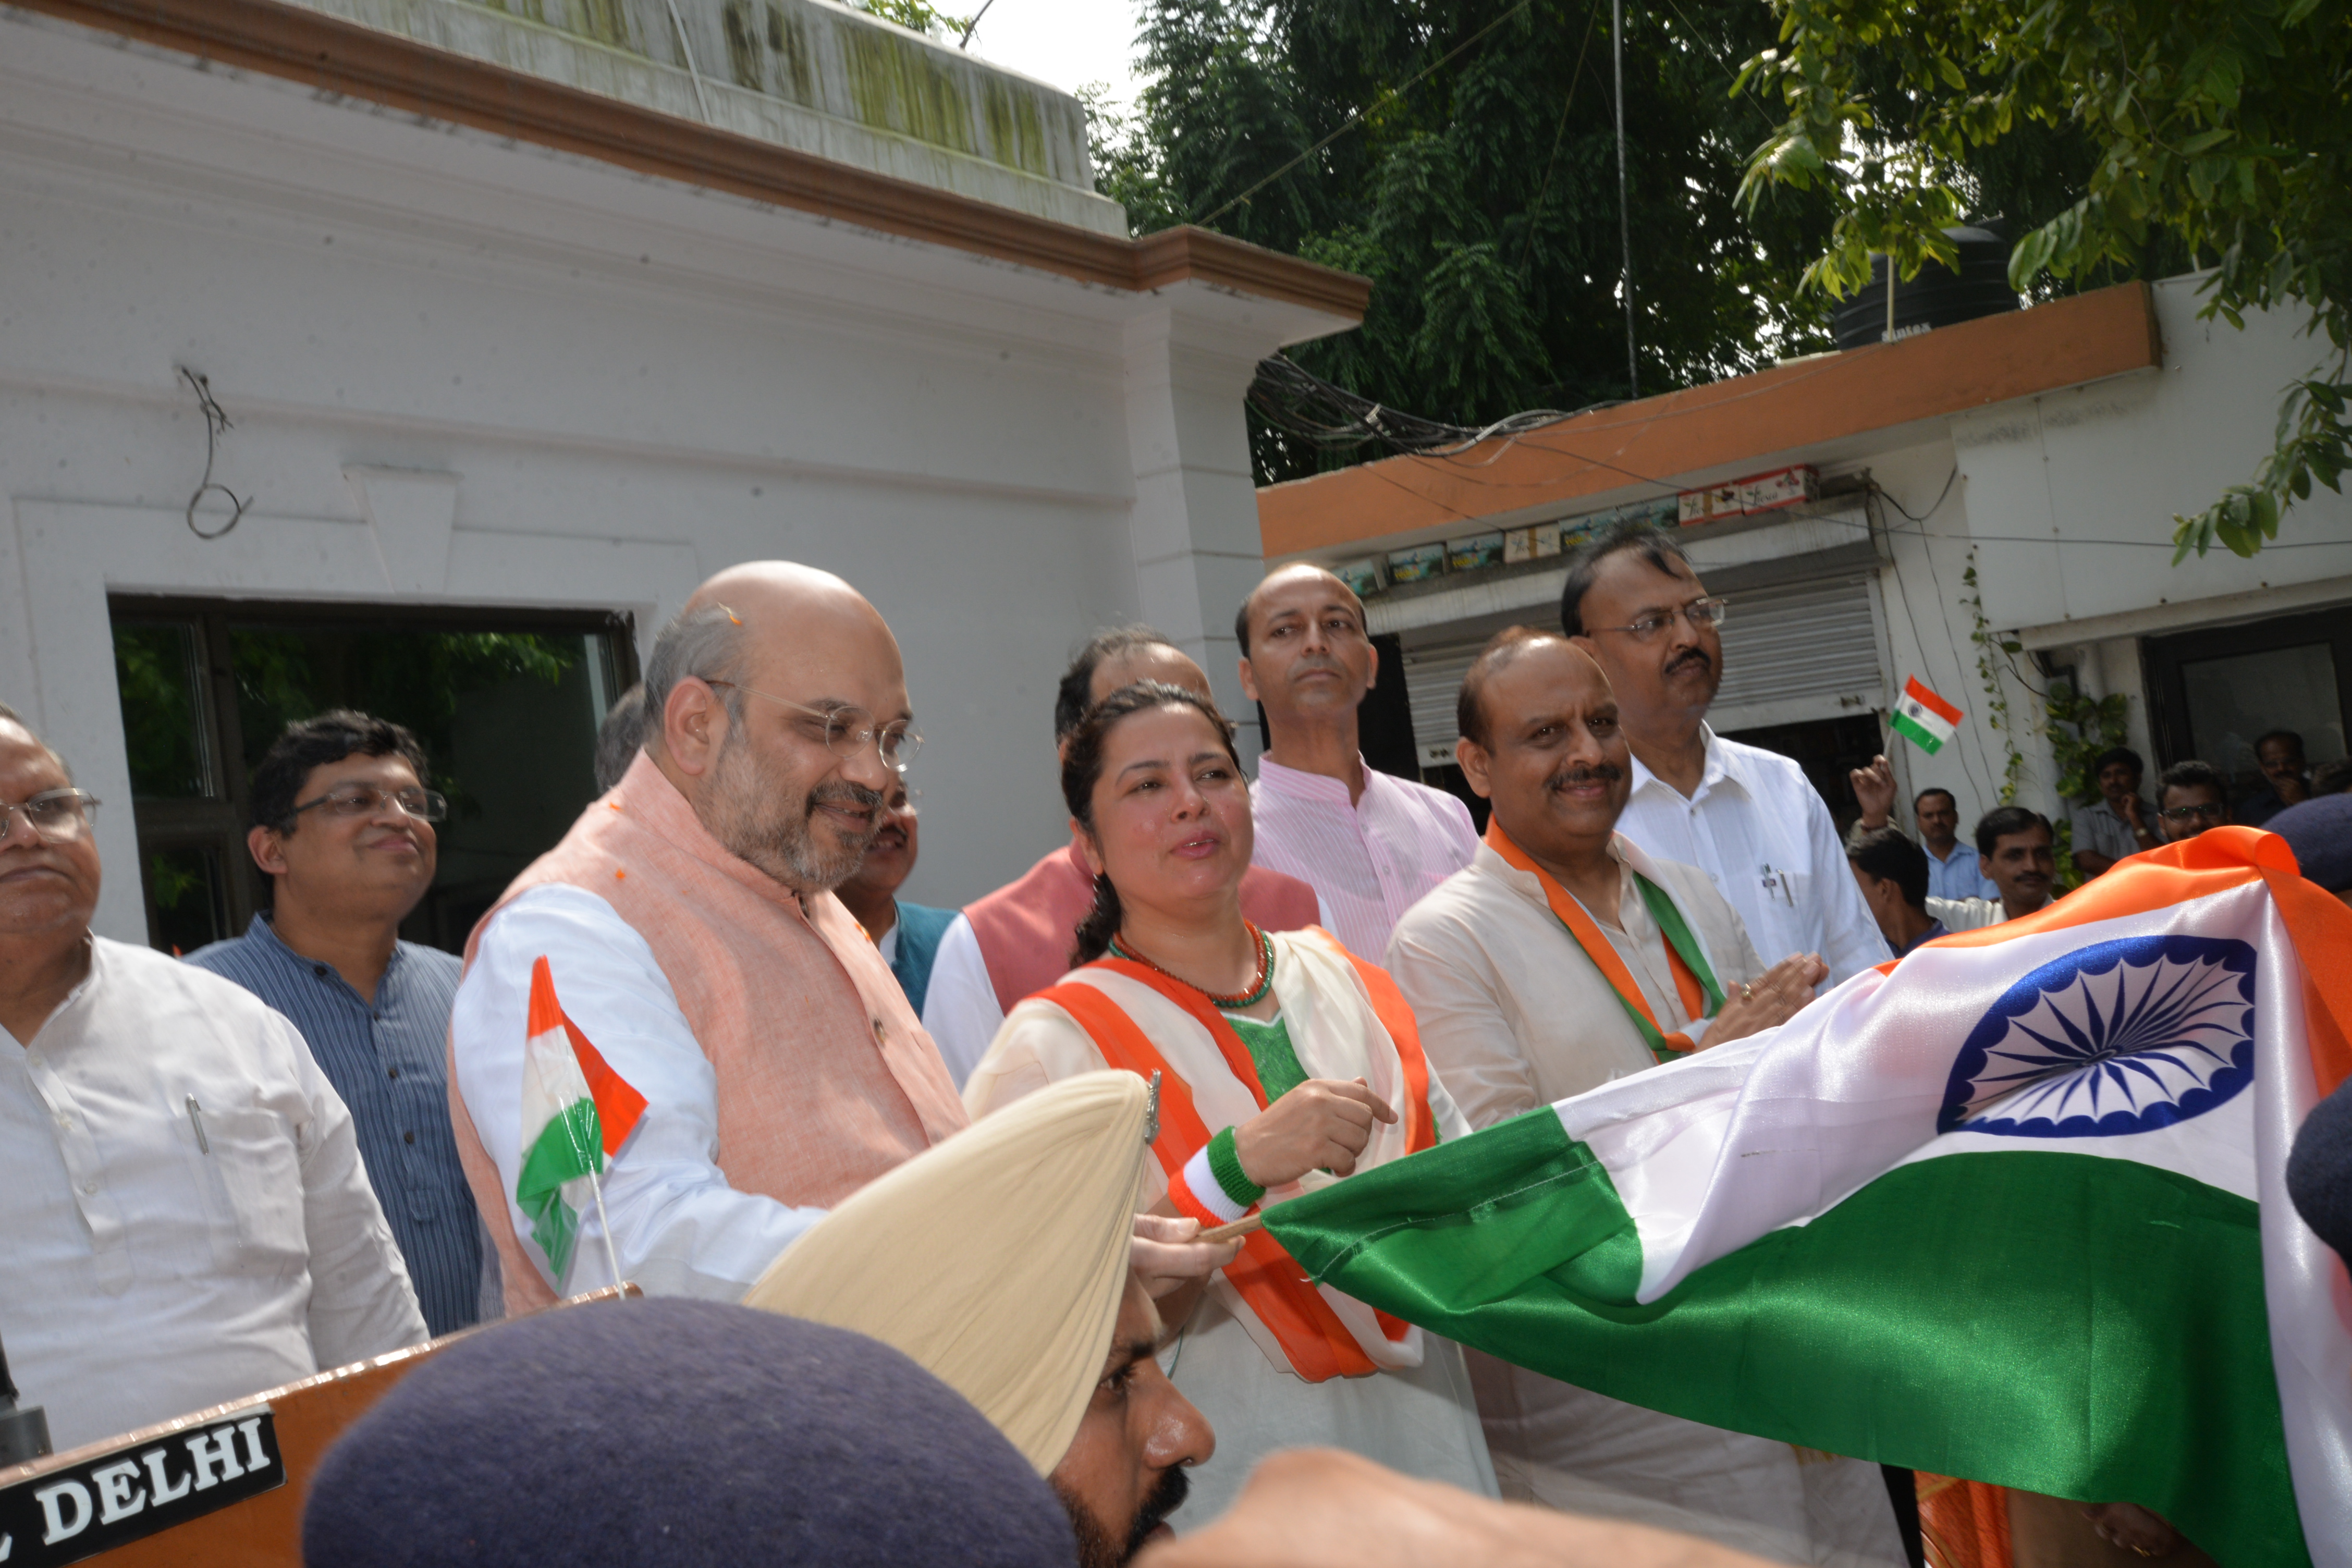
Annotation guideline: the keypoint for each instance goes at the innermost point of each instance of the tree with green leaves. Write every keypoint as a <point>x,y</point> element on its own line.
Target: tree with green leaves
<point>2215,133</point>
<point>1462,155</point>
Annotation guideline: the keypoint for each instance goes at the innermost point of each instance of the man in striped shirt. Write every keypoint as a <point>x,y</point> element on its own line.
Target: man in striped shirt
<point>343,828</point>
<point>1371,844</point>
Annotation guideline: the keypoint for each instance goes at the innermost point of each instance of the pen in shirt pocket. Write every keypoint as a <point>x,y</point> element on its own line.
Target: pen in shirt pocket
<point>196,1121</point>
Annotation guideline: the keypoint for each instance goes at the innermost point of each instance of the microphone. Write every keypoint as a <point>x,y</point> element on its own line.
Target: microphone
<point>24,1434</point>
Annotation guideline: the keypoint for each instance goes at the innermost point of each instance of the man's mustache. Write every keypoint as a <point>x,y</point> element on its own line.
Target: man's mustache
<point>1331,666</point>
<point>1165,1498</point>
<point>1693,655</point>
<point>1584,774</point>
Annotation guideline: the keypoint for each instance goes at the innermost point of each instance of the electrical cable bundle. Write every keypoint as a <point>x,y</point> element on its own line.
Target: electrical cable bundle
<point>1302,405</point>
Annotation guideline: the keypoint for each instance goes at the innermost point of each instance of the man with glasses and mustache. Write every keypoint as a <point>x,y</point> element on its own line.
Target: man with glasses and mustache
<point>1746,817</point>
<point>342,828</point>
<point>186,1220</point>
<point>691,934</point>
<point>1561,958</point>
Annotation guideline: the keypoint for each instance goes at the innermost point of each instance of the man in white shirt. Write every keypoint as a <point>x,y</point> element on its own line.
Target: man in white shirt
<point>186,1220</point>
<point>1746,817</point>
<point>1369,843</point>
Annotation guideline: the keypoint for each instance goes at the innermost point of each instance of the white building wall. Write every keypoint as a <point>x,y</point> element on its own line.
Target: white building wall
<point>604,387</point>
<point>2064,504</point>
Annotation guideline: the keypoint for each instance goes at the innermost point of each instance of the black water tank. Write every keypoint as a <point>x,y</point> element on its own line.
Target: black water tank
<point>1938,297</point>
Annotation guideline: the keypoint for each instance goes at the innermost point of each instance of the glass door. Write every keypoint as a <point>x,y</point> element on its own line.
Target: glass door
<point>505,702</point>
<point>2214,693</point>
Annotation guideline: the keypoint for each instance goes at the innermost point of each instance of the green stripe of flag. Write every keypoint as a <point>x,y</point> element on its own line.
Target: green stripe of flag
<point>1919,734</point>
<point>2069,1324</point>
<point>568,1148</point>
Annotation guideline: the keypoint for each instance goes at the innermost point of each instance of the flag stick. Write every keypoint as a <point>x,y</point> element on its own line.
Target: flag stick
<point>605,1226</point>
<point>1240,1228</point>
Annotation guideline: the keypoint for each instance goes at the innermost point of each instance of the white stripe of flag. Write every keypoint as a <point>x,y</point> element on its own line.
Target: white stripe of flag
<point>1924,719</point>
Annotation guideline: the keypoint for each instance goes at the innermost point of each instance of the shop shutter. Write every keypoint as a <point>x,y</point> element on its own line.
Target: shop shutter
<point>1800,651</point>
<point>1433,680</point>
<point>1804,650</point>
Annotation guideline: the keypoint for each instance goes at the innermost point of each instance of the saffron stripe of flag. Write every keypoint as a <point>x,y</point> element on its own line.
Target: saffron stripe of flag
<point>1924,719</point>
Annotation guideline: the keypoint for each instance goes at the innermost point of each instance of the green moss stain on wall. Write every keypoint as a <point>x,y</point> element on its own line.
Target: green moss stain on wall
<point>607,22</point>
<point>895,84</point>
<point>743,58</point>
<point>1016,125</point>
<point>900,84</point>
<point>796,63</point>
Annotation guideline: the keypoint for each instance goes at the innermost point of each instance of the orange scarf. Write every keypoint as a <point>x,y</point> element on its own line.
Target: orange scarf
<point>1597,947</point>
<point>1319,1344</point>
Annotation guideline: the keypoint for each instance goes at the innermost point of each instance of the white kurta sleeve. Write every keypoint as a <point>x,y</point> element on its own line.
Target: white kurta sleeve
<point>361,1303</point>
<point>1468,1036</point>
<point>1851,940</point>
<point>960,1011</point>
<point>680,1228</point>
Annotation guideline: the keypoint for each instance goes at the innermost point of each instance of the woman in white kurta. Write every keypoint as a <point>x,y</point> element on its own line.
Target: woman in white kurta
<point>1288,1063</point>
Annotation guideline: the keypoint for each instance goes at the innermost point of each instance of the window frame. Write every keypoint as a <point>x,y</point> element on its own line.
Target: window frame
<point>218,821</point>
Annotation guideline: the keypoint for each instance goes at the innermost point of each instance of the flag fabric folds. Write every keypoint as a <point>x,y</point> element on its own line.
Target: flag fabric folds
<point>2012,1209</point>
<point>1924,719</point>
<point>576,1113</point>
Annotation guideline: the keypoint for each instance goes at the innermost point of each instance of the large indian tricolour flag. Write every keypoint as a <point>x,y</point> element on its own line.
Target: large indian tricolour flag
<point>2011,1210</point>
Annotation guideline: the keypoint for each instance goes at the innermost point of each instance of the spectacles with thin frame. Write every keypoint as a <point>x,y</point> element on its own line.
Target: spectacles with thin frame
<point>848,731</point>
<point>2215,812</point>
<point>366,800</point>
<point>55,816</point>
<point>1700,613</point>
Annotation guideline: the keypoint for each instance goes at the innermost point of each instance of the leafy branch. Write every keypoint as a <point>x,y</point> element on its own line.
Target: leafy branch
<point>2220,128</point>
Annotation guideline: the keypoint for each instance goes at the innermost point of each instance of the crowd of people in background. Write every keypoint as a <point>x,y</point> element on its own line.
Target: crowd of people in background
<point>315,1142</point>
<point>1918,890</point>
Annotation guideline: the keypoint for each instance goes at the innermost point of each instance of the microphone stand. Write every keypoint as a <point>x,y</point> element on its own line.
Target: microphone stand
<point>24,1434</point>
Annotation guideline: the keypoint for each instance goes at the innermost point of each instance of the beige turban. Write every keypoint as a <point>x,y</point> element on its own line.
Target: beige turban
<point>996,1260</point>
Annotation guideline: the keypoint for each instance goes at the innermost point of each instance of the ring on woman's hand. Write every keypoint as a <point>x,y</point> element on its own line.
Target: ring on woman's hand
<point>1747,992</point>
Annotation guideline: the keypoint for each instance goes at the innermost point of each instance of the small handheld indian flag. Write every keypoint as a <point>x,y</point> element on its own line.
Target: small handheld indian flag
<point>576,1111</point>
<point>1924,719</point>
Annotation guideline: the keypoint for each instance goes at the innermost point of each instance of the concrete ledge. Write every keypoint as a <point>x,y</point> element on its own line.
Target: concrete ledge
<point>277,37</point>
<point>801,74</point>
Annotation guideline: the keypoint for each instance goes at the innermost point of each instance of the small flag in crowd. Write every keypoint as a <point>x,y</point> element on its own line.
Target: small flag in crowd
<point>576,1111</point>
<point>1924,719</point>
<point>2011,1209</point>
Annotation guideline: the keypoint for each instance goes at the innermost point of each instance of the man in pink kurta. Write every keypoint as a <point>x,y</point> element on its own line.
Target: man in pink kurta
<point>690,929</point>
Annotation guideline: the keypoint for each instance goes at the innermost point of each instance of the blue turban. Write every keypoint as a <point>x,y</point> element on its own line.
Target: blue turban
<point>2319,831</point>
<point>679,1433</point>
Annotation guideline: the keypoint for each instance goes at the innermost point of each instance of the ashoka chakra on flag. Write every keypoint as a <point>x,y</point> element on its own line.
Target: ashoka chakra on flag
<point>2011,1210</point>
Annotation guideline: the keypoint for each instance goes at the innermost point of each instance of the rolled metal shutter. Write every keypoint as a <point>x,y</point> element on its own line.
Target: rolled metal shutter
<point>1433,680</point>
<point>1792,653</point>
<point>1802,651</point>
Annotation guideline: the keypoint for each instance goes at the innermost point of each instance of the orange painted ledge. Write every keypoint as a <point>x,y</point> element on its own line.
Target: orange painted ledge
<point>1742,421</point>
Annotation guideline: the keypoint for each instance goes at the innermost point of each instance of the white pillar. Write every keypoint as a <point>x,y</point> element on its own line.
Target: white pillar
<point>1194,527</point>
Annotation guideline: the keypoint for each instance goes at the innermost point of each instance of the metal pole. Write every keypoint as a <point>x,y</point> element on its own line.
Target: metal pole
<point>687,49</point>
<point>1624,213</point>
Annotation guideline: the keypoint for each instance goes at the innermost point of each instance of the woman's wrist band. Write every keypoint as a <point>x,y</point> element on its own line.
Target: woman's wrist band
<point>1210,1187</point>
<point>1225,1164</point>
